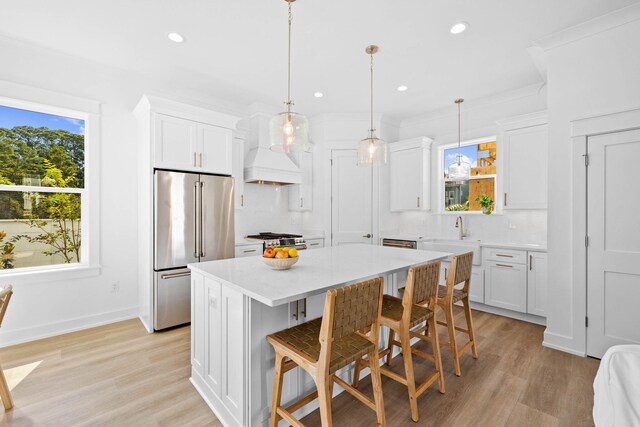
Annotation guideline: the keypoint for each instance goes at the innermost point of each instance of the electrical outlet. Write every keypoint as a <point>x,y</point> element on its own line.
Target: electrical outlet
<point>115,287</point>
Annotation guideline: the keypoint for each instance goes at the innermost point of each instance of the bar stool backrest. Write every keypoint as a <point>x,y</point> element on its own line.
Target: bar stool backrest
<point>355,307</point>
<point>460,271</point>
<point>424,281</point>
<point>5,296</point>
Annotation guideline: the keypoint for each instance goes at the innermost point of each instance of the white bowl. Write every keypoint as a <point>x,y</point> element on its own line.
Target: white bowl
<point>280,263</point>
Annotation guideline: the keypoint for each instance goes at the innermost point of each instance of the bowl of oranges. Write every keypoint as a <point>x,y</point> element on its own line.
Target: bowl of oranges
<point>280,258</point>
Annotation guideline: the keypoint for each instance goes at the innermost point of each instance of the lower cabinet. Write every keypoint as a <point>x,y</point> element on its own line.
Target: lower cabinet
<point>248,250</point>
<point>506,285</point>
<point>476,286</point>
<point>537,284</point>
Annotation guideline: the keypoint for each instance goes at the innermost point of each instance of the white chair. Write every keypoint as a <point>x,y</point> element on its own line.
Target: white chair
<point>616,400</point>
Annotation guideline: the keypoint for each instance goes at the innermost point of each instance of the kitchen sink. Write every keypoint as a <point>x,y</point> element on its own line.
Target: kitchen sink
<point>455,247</point>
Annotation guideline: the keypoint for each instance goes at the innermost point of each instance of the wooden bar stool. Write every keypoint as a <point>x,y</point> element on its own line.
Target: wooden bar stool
<point>324,345</point>
<point>5,393</point>
<point>448,295</point>
<point>400,315</point>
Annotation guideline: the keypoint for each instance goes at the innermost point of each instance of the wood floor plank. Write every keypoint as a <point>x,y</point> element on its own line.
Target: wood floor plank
<point>118,374</point>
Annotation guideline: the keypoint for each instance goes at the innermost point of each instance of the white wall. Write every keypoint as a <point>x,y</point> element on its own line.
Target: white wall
<point>53,306</point>
<point>590,76</point>
<point>478,120</point>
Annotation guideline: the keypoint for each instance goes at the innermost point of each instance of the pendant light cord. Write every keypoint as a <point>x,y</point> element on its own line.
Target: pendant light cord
<point>289,61</point>
<point>459,134</point>
<point>372,129</point>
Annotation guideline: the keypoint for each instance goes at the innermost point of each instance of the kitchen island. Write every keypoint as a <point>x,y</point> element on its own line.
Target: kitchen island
<point>236,303</point>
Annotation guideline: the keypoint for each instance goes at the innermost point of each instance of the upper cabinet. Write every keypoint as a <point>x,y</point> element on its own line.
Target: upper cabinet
<point>409,162</point>
<point>525,162</point>
<point>191,146</point>
<point>301,195</point>
<point>238,168</point>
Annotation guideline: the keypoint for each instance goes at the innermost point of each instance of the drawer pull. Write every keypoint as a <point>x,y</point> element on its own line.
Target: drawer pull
<point>314,244</point>
<point>504,265</point>
<point>246,251</point>
<point>505,256</point>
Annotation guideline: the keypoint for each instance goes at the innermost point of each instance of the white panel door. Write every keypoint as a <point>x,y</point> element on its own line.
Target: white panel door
<point>613,254</point>
<point>215,149</point>
<point>537,284</point>
<point>506,285</point>
<point>238,172</point>
<point>175,143</point>
<point>233,351</point>
<point>351,198</point>
<point>525,170</point>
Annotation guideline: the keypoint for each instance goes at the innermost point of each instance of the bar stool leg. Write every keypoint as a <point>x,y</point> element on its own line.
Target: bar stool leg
<point>356,374</point>
<point>448,311</point>
<point>278,375</point>
<point>376,382</point>
<point>5,393</point>
<point>472,338</point>
<point>432,325</point>
<point>323,384</point>
<point>405,340</point>
<point>392,337</point>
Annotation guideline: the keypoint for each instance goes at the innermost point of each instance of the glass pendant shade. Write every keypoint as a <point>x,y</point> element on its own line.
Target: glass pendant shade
<point>459,170</point>
<point>372,151</point>
<point>289,133</point>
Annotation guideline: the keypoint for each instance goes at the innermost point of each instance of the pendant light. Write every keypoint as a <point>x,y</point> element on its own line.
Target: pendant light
<point>459,170</point>
<point>371,150</point>
<point>289,131</point>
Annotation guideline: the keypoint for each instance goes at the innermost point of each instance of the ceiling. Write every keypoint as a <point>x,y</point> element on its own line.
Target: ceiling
<point>237,49</point>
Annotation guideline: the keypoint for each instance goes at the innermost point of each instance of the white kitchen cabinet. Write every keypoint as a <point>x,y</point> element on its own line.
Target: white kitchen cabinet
<point>409,162</point>
<point>537,284</point>
<point>248,250</point>
<point>182,144</point>
<point>238,169</point>
<point>409,174</point>
<point>233,352</point>
<point>506,285</point>
<point>175,143</point>
<point>525,168</point>
<point>315,243</point>
<point>213,314</point>
<point>476,286</point>
<point>301,195</point>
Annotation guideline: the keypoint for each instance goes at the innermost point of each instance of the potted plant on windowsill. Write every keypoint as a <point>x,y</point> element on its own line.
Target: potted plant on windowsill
<point>485,203</point>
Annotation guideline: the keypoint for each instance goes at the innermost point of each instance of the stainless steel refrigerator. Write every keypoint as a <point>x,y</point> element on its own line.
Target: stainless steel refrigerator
<point>193,222</point>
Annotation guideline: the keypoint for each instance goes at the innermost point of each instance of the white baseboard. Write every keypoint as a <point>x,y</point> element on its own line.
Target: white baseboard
<point>33,333</point>
<point>508,313</point>
<point>558,342</point>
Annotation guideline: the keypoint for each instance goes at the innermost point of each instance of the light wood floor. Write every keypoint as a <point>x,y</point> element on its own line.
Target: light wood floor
<point>118,375</point>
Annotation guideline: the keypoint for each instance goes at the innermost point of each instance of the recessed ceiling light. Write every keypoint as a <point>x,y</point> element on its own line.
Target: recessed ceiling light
<point>459,27</point>
<point>318,94</point>
<point>402,88</point>
<point>175,37</point>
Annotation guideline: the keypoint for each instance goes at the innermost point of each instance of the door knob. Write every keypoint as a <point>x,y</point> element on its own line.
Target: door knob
<point>368,235</point>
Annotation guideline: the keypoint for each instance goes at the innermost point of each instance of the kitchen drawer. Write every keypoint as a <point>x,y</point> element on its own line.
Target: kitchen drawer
<point>505,255</point>
<point>315,243</point>
<point>248,250</point>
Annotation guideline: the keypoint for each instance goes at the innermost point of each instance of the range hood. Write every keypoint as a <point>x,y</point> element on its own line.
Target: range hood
<point>263,166</point>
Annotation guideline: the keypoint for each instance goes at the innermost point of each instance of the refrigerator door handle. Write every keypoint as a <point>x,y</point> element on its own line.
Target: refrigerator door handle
<point>202,233</point>
<point>195,220</point>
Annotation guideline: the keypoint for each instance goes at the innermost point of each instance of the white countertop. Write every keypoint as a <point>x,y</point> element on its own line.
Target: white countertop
<point>316,271</point>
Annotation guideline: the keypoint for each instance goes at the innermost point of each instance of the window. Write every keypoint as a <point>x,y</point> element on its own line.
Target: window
<point>462,195</point>
<point>42,188</point>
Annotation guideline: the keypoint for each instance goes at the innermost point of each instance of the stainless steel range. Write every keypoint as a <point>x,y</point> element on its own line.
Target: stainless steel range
<point>275,240</point>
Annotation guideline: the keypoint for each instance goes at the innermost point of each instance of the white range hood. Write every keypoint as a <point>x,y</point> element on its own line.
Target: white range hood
<point>263,166</point>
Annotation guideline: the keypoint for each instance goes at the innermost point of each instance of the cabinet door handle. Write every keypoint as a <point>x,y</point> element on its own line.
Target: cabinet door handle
<point>295,315</point>
<point>530,262</point>
<point>194,159</point>
<point>200,159</point>
<point>505,256</point>
<point>418,201</point>
<point>304,308</point>
<point>505,199</point>
<point>242,200</point>
<point>246,251</point>
<point>301,202</point>
<point>504,265</point>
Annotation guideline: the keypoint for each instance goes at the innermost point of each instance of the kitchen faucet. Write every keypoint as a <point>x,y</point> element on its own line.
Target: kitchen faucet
<point>460,226</point>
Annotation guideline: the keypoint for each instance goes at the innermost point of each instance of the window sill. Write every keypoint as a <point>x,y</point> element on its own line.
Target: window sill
<point>48,274</point>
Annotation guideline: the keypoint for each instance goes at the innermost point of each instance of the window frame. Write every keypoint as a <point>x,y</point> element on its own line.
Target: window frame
<point>441,182</point>
<point>33,99</point>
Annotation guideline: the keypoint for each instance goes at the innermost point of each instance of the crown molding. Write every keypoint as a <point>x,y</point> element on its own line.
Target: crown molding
<point>589,28</point>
